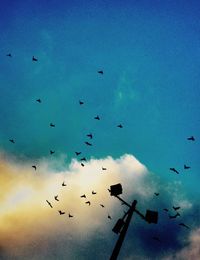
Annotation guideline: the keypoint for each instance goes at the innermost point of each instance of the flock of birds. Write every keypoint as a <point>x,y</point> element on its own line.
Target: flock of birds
<point>78,153</point>
<point>83,159</point>
<point>176,214</point>
<point>82,196</point>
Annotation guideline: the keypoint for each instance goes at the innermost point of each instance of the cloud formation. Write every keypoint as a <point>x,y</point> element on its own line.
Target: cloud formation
<point>26,218</point>
<point>191,251</point>
<point>30,229</point>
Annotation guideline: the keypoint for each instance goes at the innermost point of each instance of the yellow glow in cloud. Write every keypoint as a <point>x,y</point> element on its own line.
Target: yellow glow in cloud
<point>25,216</point>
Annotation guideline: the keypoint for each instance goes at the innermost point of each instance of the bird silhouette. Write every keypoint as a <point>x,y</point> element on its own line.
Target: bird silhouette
<point>174,216</point>
<point>82,164</point>
<point>52,125</point>
<point>97,117</point>
<point>63,184</point>
<point>39,100</point>
<point>176,208</point>
<point>61,212</point>
<point>52,152</point>
<point>56,197</point>
<point>70,216</point>
<point>102,205</point>
<point>120,126</point>
<point>88,202</point>
<point>33,166</point>
<point>83,196</point>
<point>191,138</point>
<point>77,153</point>
<point>156,193</point>
<point>104,169</point>
<point>90,136</point>
<point>9,55</point>
<point>83,159</point>
<point>100,72</point>
<point>174,170</point>
<point>49,203</point>
<point>183,225</point>
<point>87,143</point>
<point>12,141</point>
<point>166,210</point>
<point>186,167</point>
<point>156,238</point>
<point>34,59</point>
<point>81,102</point>
<point>93,192</point>
<point>109,217</point>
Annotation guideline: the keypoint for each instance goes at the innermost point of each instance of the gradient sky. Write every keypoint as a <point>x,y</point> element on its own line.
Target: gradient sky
<point>150,54</point>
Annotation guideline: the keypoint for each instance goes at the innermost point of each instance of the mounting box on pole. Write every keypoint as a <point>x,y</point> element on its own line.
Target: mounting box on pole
<point>116,189</point>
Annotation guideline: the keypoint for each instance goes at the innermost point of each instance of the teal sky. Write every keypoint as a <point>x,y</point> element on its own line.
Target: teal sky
<point>150,54</point>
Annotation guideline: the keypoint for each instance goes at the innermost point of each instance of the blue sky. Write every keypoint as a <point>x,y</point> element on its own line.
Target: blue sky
<point>149,52</point>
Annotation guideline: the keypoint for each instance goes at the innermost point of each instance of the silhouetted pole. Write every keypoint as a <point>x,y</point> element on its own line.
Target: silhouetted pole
<point>122,235</point>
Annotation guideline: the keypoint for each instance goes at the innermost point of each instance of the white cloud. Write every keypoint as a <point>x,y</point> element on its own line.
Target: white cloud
<point>191,251</point>
<point>24,210</point>
<point>26,218</point>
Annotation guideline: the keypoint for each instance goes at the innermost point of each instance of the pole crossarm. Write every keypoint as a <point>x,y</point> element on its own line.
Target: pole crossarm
<point>122,224</point>
<point>127,204</point>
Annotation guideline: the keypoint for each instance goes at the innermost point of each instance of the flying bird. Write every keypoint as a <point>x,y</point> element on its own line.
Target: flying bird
<point>70,216</point>
<point>49,203</point>
<point>102,205</point>
<point>156,238</point>
<point>81,102</point>
<point>52,152</point>
<point>83,159</point>
<point>39,100</point>
<point>12,141</point>
<point>83,196</point>
<point>63,184</point>
<point>97,117</point>
<point>156,193</point>
<point>100,72</point>
<point>52,125</point>
<point>186,167</point>
<point>77,153</point>
<point>34,59</point>
<point>88,202</point>
<point>174,216</point>
<point>176,208</point>
<point>82,164</point>
<point>87,143</point>
<point>56,197</point>
<point>120,126</point>
<point>9,55</point>
<point>33,166</point>
<point>90,136</point>
<point>183,225</point>
<point>61,212</point>
<point>93,192</point>
<point>104,169</point>
<point>191,138</point>
<point>174,170</point>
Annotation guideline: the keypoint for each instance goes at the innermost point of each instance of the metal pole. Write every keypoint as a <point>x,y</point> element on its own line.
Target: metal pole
<point>122,235</point>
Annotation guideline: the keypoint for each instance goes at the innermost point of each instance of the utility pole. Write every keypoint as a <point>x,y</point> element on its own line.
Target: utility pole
<point>122,226</point>
<point>122,235</point>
